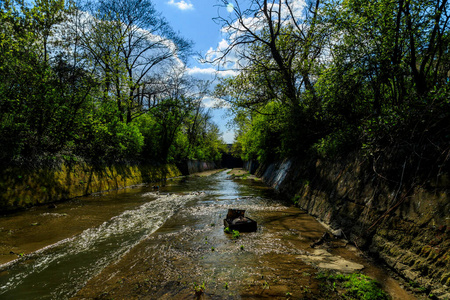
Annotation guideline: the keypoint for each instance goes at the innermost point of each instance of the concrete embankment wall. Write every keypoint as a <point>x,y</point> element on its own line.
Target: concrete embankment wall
<point>195,166</point>
<point>251,166</point>
<point>408,228</point>
<point>24,188</point>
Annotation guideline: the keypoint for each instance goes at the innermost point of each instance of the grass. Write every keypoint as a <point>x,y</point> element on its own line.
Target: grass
<point>234,233</point>
<point>353,286</point>
<point>295,199</point>
<point>199,289</point>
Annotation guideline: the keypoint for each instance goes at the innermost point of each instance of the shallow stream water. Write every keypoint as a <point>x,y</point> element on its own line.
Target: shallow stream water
<point>139,244</point>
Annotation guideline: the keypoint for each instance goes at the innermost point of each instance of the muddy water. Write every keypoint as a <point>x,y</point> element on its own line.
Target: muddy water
<point>139,244</point>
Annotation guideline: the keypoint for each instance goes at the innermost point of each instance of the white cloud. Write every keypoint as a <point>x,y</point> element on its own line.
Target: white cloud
<point>210,71</point>
<point>226,73</point>
<point>256,20</point>
<point>229,62</point>
<point>183,5</point>
<point>223,44</point>
<point>205,71</point>
<point>213,102</point>
<point>230,7</point>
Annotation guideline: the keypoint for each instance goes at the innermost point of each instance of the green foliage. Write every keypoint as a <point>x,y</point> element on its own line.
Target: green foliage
<point>261,135</point>
<point>354,286</point>
<point>359,76</point>
<point>41,103</point>
<point>337,143</point>
<point>199,289</point>
<point>104,138</point>
<point>80,94</point>
<point>360,286</point>
<point>235,234</point>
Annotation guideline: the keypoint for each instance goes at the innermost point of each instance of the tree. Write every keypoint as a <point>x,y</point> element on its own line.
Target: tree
<point>129,41</point>
<point>339,76</point>
<point>385,43</point>
<point>279,47</point>
<point>275,37</point>
<point>41,100</point>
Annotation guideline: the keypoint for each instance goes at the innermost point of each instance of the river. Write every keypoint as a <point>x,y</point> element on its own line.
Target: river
<point>138,243</point>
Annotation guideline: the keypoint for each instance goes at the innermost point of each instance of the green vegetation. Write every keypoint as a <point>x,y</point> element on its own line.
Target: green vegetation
<point>235,234</point>
<point>85,83</point>
<point>353,286</point>
<point>348,76</point>
<point>199,289</point>
<point>295,199</point>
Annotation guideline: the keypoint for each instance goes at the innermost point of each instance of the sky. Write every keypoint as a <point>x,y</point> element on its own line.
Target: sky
<point>193,19</point>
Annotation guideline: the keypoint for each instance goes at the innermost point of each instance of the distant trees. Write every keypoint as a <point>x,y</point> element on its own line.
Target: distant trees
<point>93,82</point>
<point>337,76</point>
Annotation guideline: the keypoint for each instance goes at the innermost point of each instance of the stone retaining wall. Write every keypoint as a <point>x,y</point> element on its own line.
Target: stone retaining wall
<point>196,166</point>
<point>25,188</point>
<point>408,228</point>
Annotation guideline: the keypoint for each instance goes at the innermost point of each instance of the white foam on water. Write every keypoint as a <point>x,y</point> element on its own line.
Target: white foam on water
<point>85,255</point>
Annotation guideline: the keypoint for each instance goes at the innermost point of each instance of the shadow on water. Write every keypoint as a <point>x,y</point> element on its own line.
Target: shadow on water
<point>160,246</point>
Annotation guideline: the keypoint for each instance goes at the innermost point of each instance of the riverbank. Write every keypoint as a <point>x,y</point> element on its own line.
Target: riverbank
<point>240,173</point>
<point>406,227</point>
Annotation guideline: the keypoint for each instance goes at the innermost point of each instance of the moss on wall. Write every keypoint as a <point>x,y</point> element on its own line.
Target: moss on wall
<point>25,188</point>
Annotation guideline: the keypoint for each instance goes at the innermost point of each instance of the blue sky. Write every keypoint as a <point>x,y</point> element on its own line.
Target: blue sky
<point>193,19</point>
